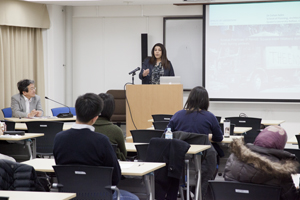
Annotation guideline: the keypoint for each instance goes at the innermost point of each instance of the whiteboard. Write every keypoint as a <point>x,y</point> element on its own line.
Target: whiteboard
<point>183,41</point>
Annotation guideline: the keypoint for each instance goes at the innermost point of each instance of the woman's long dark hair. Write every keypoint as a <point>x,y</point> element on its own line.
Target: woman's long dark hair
<point>164,60</point>
<point>198,100</point>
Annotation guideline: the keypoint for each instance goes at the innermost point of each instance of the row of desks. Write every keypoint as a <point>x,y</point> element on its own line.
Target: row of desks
<point>130,168</point>
<point>263,121</point>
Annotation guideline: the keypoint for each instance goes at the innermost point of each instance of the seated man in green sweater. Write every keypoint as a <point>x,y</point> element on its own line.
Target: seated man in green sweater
<point>105,126</point>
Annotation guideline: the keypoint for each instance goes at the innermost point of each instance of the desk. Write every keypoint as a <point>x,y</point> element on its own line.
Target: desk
<point>18,195</point>
<point>271,122</point>
<point>22,126</point>
<point>24,137</point>
<point>292,140</point>
<point>127,168</point>
<point>268,122</point>
<point>236,130</point>
<point>194,149</point>
<point>228,140</point>
<point>18,120</point>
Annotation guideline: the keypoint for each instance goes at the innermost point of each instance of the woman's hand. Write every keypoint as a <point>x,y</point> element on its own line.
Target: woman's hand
<point>145,72</point>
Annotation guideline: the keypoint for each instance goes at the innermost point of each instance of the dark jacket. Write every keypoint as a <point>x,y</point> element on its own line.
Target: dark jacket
<point>85,147</point>
<point>147,65</point>
<point>254,164</point>
<point>172,152</point>
<point>19,177</point>
<point>208,159</point>
<point>114,134</point>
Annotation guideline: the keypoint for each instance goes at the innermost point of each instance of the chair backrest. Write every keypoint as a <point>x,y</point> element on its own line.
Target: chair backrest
<point>218,118</point>
<point>141,151</point>
<point>44,144</point>
<point>89,182</point>
<point>231,190</point>
<point>161,117</point>
<point>119,115</point>
<point>296,152</point>
<point>160,125</point>
<point>298,140</point>
<point>144,136</point>
<point>7,112</point>
<point>56,111</point>
<point>19,151</point>
<point>247,122</point>
<point>10,126</point>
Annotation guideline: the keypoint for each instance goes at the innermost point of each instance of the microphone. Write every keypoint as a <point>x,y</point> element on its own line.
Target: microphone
<point>133,71</point>
<point>62,115</point>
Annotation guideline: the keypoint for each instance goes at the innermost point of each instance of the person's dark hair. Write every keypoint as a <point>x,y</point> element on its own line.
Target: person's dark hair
<point>23,85</point>
<point>164,60</point>
<point>198,100</point>
<point>88,106</point>
<point>109,105</point>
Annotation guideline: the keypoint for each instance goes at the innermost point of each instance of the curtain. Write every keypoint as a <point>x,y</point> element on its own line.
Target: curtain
<point>21,57</point>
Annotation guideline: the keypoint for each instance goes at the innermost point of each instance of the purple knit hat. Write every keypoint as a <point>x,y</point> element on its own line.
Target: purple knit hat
<point>273,137</point>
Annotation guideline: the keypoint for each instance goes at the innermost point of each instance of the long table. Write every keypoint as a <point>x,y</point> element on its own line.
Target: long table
<point>22,126</point>
<point>292,140</point>
<point>17,195</point>
<point>24,137</point>
<point>127,168</point>
<point>236,130</point>
<point>18,120</point>
<point>194,149</point>
<point>263,121</point>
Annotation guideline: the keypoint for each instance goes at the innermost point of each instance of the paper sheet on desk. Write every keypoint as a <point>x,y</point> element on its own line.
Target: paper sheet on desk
<point>10,136</point>
<point>126,165</point>
<point>295,178</point>
<point>44,117</point>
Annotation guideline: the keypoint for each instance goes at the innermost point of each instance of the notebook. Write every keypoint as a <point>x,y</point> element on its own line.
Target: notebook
<point>170,80</point>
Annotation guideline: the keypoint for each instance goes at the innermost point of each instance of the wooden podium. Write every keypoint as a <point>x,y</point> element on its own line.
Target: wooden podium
<point>145,100</point>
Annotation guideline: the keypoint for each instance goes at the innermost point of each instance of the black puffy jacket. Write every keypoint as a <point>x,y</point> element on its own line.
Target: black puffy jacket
<point>17,176</point>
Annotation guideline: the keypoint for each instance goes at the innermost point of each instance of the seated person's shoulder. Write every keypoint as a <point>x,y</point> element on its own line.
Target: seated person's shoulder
<point>16,96</point>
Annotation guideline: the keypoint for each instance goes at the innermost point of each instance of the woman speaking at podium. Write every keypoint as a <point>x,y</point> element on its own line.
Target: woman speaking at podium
<point>156,66</point>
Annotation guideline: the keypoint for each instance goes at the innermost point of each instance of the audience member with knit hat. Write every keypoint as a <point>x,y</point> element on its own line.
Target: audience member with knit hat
<point>264,162</point>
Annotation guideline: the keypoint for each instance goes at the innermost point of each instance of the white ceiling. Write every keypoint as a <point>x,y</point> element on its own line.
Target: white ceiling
<point>105,2</point>
<point>133,2</point>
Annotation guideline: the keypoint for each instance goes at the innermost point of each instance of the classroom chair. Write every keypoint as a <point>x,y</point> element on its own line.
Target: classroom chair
<point>160,125</point>
<point>89,182</point>
<point>144,135</point>
<point>44,144</point>
<point>119,115</point>
<point>233,190</point>
<point>161,117</point>
<point>7,112</point>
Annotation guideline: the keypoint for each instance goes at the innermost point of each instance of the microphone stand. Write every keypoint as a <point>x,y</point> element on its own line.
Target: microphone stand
<point>133,74</point>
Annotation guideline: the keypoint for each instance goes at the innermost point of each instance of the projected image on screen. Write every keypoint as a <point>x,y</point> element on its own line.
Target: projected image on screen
<point>253,51</point>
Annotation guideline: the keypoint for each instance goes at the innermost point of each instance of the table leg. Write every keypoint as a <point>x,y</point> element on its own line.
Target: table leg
<point>198,167</point>
<point>187,179</point>
<point>149,183</point>
<point>27,143</point>
<point>33,147</point>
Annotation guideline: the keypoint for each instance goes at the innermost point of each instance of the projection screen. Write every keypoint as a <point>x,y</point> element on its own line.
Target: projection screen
<point>252,51</point>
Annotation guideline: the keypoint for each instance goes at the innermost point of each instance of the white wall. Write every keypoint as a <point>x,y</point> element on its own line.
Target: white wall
<point>107,45</point>
<point>107,42</point>
<point>54,51</point>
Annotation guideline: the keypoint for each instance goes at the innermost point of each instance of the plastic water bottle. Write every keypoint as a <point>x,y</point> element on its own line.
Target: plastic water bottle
<point>169,134</point>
